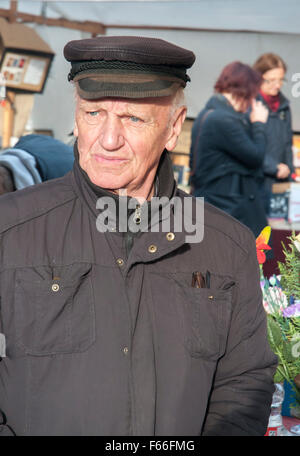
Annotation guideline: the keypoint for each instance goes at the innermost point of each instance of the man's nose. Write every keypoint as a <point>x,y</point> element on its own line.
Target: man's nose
<point>111,133</point>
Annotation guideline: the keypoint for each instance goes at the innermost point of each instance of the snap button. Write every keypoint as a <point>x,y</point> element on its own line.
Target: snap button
<point>251,197</point>
<point>152,248</point>
<point>120,262</point>
<point>210,297</point>
<point>55,287</point>
<point>170,236</point>
<point>125,350</point>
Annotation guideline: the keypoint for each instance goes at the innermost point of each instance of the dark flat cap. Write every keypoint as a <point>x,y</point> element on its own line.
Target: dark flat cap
<point>127,66</point>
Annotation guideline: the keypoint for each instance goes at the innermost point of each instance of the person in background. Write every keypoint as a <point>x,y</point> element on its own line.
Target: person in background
<point>34,159</point>
<point>227,149</point>
<point>278,162</point>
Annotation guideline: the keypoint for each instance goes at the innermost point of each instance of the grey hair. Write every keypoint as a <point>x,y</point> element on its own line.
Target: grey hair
<point>179,98</point>
<point>177,102</point>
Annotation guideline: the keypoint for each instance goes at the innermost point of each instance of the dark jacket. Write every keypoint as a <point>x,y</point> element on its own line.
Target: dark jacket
<point>53,157</point>
<point>279,141</point>
<point>100,343</point>
<point>227,153</point>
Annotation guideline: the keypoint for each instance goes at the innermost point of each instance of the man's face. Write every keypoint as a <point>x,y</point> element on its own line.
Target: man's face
<point>120,141</point>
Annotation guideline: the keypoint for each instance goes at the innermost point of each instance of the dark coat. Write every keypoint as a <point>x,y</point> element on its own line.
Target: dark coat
<point>53,157</point>
<point>226,162</point>
<point>279,141</point>
<point>99,343</point>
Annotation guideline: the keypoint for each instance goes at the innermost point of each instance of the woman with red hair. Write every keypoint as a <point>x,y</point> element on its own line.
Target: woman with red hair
<point>228,147</point>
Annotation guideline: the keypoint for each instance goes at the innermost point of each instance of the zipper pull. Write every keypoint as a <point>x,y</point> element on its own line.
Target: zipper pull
<point>137,215</point>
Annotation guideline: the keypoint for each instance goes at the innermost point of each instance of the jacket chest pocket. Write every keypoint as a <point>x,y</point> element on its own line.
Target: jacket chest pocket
<point>54,315</point>
<point>200,317</point>
<point>206,321</point>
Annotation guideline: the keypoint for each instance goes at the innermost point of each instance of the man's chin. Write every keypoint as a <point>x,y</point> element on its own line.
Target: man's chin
<point>111,185</point>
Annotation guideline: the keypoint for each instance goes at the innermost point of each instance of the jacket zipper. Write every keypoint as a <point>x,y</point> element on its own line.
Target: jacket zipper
<point>129,236</point>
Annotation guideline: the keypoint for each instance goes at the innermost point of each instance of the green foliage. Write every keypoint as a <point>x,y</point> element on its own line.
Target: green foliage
<point>274,334</point>
<point>290,270</point>
<point>283,345</point>
<point>284,332</point>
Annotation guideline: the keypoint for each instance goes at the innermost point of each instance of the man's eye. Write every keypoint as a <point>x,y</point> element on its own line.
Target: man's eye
<point>134,119</point>
<point>93,113</point>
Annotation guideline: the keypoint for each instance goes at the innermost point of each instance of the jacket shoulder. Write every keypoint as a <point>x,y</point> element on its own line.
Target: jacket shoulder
<point>31,202</point>
<point>218,223</point>
<point>232,229</point>
<point>222,122</point>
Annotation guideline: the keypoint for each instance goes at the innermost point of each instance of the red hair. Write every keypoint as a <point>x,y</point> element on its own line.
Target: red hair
<point>240,80</point>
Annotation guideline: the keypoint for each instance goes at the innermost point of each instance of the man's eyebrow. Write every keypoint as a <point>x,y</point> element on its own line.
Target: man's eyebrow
<point>133,112</point>
<point>136,110</point>
<point>90,106</point>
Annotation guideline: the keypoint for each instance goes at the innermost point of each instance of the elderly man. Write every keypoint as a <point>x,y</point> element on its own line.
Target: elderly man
<point>129,330</point>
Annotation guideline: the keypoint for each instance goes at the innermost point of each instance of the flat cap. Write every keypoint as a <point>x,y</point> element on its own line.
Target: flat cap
<point>127,66</point>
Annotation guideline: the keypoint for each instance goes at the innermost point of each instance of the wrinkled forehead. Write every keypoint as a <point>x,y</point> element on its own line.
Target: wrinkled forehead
<point>141,107</point>
<point>155,101</point>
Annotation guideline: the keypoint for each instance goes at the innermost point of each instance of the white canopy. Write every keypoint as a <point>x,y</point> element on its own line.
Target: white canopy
<point>217,31</point>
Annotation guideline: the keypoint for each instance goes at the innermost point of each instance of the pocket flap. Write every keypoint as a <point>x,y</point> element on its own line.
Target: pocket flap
<point>54,309</point>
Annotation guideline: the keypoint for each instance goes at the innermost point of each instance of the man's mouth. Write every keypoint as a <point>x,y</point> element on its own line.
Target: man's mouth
<point>109,159</point>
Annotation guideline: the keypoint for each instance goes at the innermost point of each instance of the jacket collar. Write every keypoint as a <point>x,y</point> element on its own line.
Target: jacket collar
<point>283,102</point>
<point>218,101</point>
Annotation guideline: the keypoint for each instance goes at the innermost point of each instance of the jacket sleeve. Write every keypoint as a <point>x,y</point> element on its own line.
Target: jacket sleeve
<point>5,429</point>
<point>234,140</point>
<point>288,156</point>
<point>196,130</point>
<point>193,143</point>
<point>241,396</point>
<point>270,165</point>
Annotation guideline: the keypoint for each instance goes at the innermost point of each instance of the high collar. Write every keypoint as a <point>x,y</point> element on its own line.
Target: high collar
<point>283,102</point>
<point>273,101</point>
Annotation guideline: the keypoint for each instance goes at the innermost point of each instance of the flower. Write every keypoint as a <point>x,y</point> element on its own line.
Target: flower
<point>296,242</point>
<point>274,299</point>
<point>281,301</point>
<point>262,244</point>
<point>292,310</point>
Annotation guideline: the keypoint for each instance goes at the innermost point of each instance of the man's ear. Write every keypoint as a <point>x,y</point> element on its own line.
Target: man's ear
<point>175,128</point>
